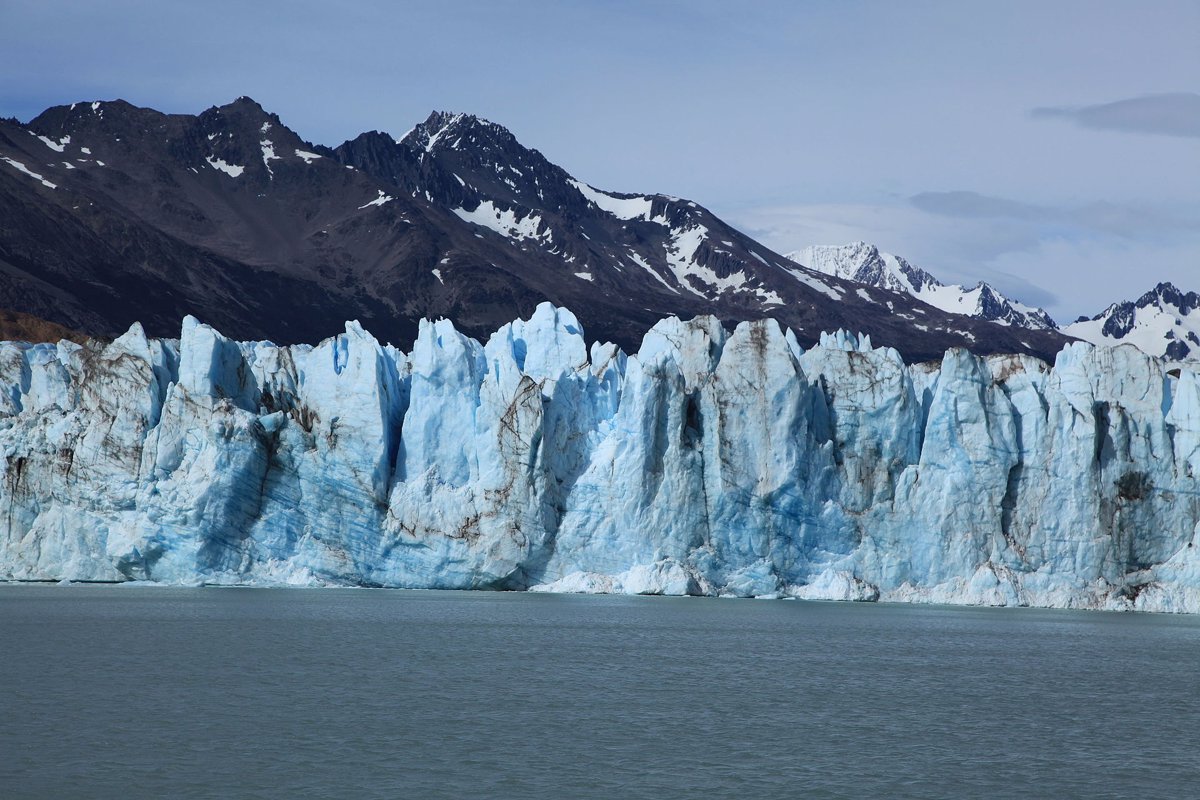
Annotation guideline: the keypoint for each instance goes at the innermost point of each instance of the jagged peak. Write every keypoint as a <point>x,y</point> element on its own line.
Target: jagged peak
<point>1167,292</point>
<point>439,125</point>
<point>1164,292</point>
<point>242,108</point>
<point>373,138</point>
<point>243,103</point>
<point>859,245</point>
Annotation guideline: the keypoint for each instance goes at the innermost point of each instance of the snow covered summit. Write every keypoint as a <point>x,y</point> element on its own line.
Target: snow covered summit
<point>865,263</point>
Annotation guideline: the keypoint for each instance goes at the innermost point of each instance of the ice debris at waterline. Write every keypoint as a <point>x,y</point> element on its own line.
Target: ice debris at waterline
<point>709,463</point>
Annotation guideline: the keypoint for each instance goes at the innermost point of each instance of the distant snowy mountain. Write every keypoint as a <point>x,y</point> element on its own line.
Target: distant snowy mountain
<point>864,263</point>
<point>1162,322</point>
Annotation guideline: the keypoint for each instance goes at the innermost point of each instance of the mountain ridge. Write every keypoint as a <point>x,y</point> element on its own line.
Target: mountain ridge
<point>232,216</point>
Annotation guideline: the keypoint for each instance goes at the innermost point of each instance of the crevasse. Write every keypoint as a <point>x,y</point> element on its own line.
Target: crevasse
<point>708,463</point>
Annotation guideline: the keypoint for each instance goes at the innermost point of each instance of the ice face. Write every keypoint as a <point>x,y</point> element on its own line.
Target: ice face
<point>709,462</point>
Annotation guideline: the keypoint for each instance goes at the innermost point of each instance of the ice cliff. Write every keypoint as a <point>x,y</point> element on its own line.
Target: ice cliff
<point>709,462</point>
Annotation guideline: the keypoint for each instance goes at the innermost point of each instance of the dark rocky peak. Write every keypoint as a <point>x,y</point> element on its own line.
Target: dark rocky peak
<point>107,127</point>
<point>109,115</point>
<point>375,153</point>
<point>241,134</point>
<point>872,269</point>
<point>139,140</point>
<point>486,161</point>
<point>919,278</point>
<point>995,306</point>
<point>444,130</point>
<point>246,119</point>
<point>1119,321</point>
<point>1168,295</point>
<point>242,114</point>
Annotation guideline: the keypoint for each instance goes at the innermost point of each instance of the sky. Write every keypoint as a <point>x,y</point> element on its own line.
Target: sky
<point>1051,148</point>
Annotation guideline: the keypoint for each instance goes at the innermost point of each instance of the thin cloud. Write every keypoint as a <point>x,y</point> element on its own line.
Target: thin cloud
<point>1175,114</point>
<point>975,206</point>
<point>1117,219</point>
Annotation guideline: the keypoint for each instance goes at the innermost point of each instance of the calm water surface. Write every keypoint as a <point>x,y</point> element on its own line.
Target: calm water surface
<point>158,692</point>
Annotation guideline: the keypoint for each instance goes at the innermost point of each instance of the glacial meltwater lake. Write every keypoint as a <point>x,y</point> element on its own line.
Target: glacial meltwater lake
<point>125,692</point>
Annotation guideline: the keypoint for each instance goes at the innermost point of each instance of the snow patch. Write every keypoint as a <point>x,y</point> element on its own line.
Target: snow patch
<point>268,154</point>
<point>17,165</point>
<point>641,262</point>
<point>58,146</point>
<point>378,201</point>
<point>232,170</point>
<point>810,280</point>
<point>505,222</point>
<point>681,258</point>
<point>626,208</point>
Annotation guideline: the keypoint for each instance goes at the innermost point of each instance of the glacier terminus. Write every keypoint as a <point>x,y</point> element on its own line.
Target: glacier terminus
<point>710,462</point>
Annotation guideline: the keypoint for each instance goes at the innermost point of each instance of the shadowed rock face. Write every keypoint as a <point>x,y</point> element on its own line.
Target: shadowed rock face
<point>709,462</point>
<point>18,327</point>
<point>111,214</point>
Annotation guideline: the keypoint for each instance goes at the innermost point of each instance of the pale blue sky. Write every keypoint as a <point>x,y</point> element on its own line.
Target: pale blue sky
<point>1052,148</point>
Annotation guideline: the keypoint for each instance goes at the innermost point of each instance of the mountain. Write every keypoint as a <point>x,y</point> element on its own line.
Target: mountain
<point>709,462</point>
<point>1162,322</point>
<point>864,263</point>
<point>111,213</point>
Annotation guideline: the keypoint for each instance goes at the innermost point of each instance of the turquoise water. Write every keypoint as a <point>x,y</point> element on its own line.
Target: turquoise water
<point>159,692</point>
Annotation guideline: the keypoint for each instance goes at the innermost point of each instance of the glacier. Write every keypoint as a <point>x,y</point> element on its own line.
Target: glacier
<point>710,462</point>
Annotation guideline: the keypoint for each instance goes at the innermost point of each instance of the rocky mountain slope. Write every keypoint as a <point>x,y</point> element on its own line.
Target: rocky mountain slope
<point>864,263</point>
<point>111,214</point>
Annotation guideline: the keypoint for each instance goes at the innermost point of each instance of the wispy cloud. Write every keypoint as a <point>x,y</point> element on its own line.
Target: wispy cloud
<point>972,205</point>
<point>1174,114</point>
<point>1116,219</point>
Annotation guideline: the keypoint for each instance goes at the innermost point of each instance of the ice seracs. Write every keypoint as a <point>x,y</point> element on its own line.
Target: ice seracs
<point>709,462</point>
